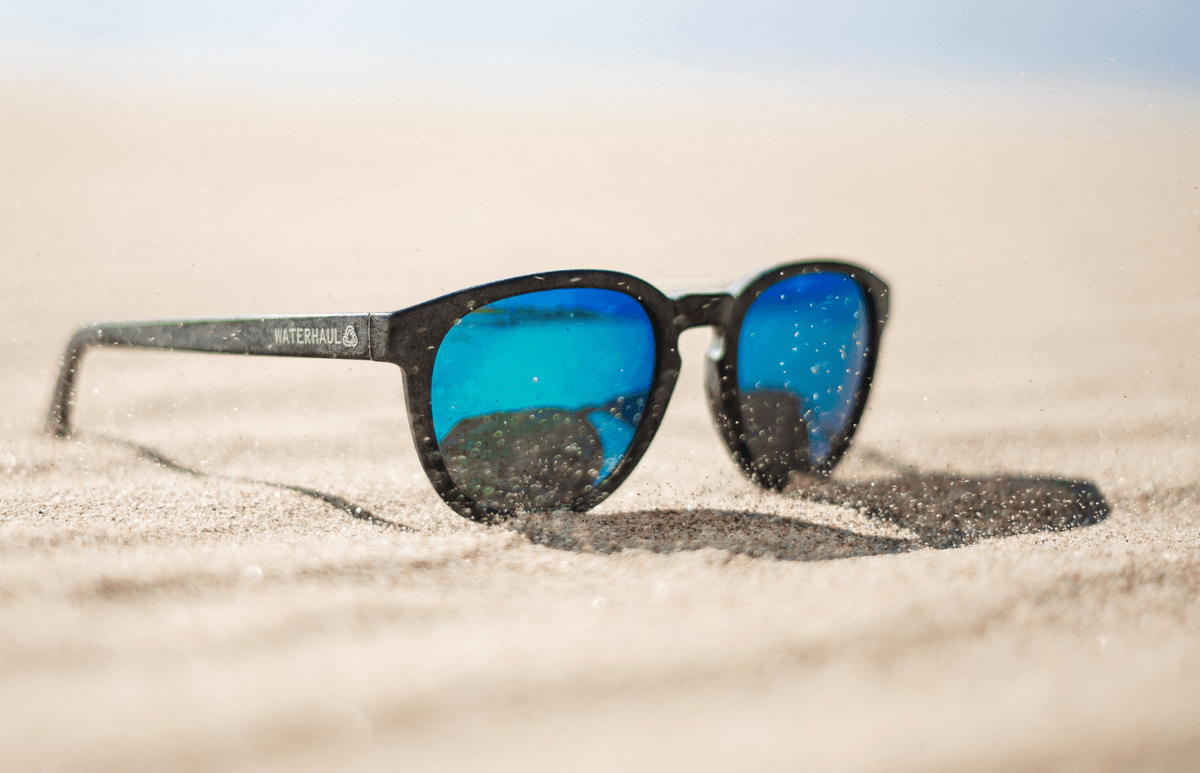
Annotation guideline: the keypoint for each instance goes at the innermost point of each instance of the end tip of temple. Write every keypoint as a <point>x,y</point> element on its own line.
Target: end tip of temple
<point>58,419</point>
<point>56,426</point>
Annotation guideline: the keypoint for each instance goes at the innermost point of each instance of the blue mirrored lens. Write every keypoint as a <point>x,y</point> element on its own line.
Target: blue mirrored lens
<point>802,352</point>
<point>536,398</point>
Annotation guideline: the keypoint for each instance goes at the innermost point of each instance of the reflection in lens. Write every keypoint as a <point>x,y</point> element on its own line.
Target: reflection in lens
<point>801,354</point>
<point>536,398</point>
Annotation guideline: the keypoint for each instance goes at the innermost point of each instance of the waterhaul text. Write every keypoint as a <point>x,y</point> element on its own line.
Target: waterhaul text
<point>327,336</point>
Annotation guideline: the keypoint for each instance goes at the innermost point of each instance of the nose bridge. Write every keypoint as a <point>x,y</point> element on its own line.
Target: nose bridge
<point>701,309</point>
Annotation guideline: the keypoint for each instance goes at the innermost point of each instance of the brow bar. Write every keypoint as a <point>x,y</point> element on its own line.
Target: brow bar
<point>345,336</point>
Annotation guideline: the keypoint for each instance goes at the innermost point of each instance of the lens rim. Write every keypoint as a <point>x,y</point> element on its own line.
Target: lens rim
<point>723,376</point>
<point>416,333</point>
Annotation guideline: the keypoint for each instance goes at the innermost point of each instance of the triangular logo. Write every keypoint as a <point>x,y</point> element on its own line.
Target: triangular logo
<point>349,338</point>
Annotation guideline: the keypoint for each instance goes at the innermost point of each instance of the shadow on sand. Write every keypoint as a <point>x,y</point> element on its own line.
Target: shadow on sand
<point>162,460</point>
<point>947,510</point>
<point>671,531</point>
<point>943,511</point>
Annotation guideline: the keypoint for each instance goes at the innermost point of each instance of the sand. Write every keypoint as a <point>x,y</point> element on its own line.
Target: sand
<point>1004,574</point>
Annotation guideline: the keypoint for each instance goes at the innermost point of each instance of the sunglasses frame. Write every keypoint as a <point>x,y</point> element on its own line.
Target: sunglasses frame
<point>416,333</point>
<point>409,338</point>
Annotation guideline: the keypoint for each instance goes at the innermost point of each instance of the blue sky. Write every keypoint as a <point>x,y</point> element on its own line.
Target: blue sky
<point>1158,35</point>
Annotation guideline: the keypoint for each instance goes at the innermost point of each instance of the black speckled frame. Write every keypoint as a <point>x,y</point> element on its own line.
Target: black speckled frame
<point>410,338</point>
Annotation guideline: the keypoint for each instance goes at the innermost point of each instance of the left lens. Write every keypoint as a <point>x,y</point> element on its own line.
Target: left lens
<point>801,355</point>
<point>536,398</point>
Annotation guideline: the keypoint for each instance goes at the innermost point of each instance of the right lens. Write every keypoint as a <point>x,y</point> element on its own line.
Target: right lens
<point>801,355</point>
<point>536,398</point>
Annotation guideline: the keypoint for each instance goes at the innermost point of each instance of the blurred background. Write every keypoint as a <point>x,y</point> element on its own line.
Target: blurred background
<point>1146,40</point>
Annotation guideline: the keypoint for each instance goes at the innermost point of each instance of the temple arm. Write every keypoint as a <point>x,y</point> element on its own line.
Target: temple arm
<point>347,336</point>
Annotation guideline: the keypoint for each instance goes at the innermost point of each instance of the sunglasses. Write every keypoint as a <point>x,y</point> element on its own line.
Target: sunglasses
<point>543,392</point>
